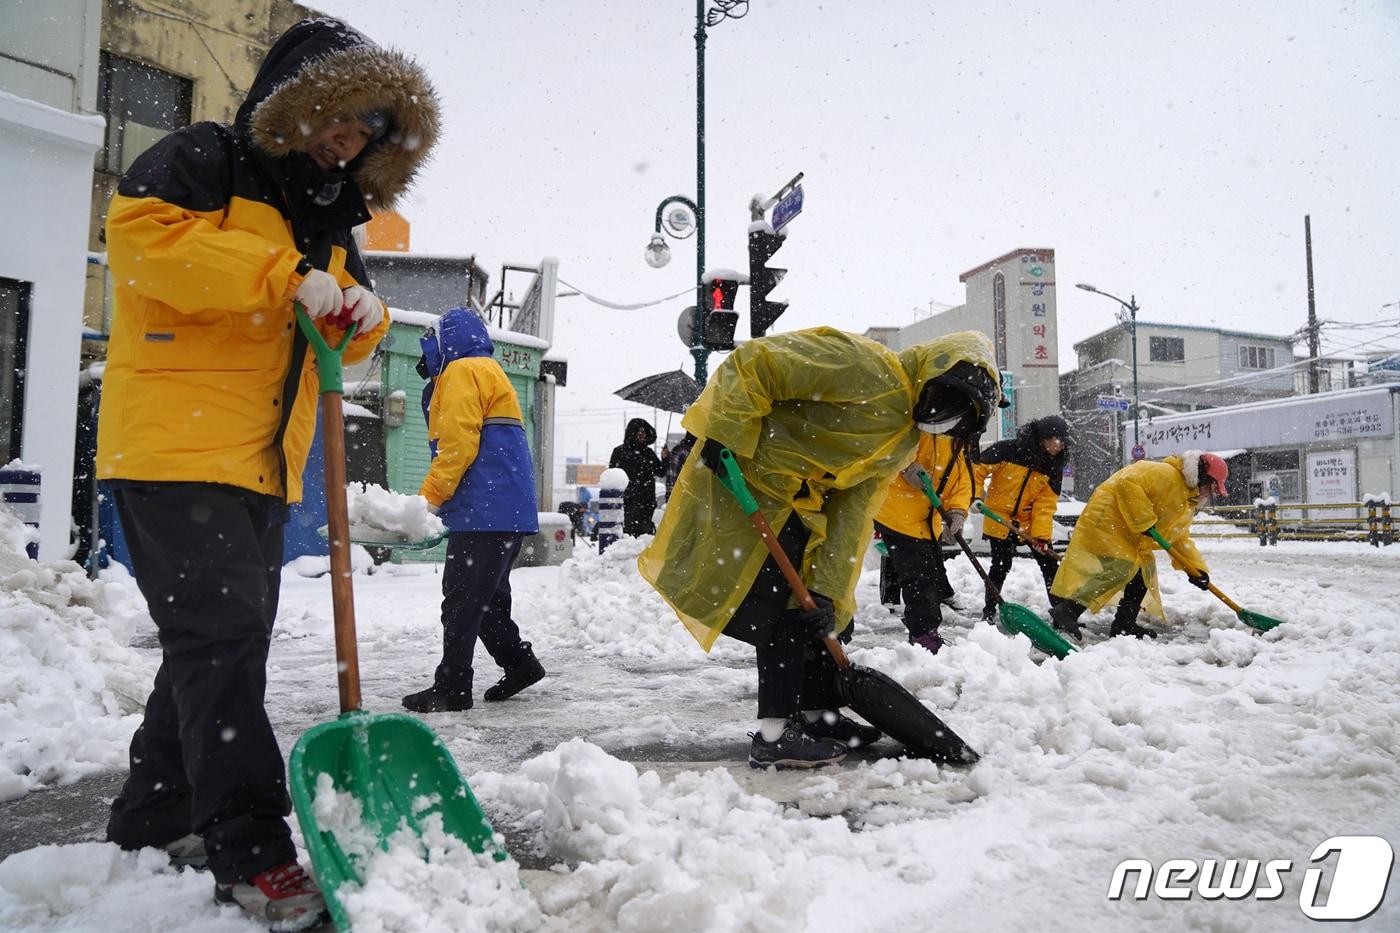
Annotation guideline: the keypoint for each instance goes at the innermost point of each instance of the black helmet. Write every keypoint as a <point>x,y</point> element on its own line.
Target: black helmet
<point>959,402</point>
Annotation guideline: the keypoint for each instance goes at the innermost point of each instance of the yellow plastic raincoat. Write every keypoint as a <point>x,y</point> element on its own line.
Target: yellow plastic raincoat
<point>819,407</point>
<point>1108,546</point>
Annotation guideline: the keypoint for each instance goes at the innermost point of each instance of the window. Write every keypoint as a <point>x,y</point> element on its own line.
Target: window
<point>141,104</point>
<point>1256,357</point>
<point>14,359</point>
<point>1166,349</point>
<point>999,317</point>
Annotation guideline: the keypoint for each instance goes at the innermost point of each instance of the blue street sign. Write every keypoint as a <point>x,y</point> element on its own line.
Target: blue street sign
<point>1112,404</point>
<point>788,208</point>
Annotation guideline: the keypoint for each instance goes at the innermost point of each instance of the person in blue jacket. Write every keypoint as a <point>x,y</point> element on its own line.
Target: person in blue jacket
<point>481,484</point>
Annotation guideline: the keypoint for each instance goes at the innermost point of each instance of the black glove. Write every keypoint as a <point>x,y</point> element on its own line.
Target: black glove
<point>1201,583</point>
<point>819,621</point>
<point>710,453</point>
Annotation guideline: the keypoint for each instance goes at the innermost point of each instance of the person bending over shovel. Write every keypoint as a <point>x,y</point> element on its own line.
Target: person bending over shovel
<point>209,412</point>
<point>819,422</point>
<point>482,485</point>
<point>1110,549</point>
<point>1025,472</point>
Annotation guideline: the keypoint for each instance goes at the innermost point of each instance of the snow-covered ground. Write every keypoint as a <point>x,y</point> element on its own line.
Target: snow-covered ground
<point>625,769</point>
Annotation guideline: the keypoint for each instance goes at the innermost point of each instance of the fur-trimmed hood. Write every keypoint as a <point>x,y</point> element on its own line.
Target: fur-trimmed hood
<point>321,69</point>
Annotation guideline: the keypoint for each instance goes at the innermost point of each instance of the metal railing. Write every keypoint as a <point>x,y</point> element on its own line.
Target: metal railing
<point>1300,522</point>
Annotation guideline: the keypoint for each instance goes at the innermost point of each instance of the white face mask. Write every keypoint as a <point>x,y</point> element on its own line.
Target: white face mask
<point>939,427</point>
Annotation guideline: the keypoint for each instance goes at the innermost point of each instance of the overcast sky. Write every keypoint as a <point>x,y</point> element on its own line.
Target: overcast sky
<point>1169,150</point>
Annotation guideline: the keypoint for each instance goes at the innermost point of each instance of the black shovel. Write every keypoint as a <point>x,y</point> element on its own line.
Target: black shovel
<point>875,696</point>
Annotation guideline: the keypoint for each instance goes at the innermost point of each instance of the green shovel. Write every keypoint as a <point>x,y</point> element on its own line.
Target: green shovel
<point>1254,620</point>
<point>396,767</point>
<point>1015,617</point>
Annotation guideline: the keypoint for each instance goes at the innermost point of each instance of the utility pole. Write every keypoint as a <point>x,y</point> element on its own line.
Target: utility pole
<point>1312,310</point>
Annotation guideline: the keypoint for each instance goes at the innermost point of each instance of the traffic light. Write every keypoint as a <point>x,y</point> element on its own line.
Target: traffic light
<point>763,279</point>
<point>720,317</point>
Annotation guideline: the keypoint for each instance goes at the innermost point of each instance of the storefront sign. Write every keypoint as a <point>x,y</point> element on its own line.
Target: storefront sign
<point>1332,477</point>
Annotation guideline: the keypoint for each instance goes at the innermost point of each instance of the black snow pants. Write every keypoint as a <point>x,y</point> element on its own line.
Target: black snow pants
<point>208,559</point>
<point>1003,553</point>
<point>476,604</point>
<point>917,567</point>
<point>795,672</point>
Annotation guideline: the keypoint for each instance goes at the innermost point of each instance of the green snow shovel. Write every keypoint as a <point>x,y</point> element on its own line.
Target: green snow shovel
<point>1255,620</point>
<point>1015,528</point>
<point>396,767</point>
<point>878,697</point>
<point>376,537</point>
<point>1015,617</point>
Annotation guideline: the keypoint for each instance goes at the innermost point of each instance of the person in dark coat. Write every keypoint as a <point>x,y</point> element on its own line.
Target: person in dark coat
<point>210,408</point>
<point>635,457</point>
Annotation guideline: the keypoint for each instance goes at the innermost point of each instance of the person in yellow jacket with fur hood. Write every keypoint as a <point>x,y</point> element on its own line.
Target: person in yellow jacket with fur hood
<point>208,412</point>
<point>1110,550</point>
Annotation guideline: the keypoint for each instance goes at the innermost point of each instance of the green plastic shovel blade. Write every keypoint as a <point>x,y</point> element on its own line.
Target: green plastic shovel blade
<point>400,772</point>
<point>1020,619</point>
<point>1258,621</point>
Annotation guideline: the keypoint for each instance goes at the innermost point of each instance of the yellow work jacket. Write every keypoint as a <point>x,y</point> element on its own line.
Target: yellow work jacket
<point>907,508</point>
<point>1017,493</point>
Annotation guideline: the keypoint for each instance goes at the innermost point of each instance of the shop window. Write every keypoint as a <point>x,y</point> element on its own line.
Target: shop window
<point>1166,349</point>
<point>142,104</point>
<point>1256,357</point>
<point>14,361</point>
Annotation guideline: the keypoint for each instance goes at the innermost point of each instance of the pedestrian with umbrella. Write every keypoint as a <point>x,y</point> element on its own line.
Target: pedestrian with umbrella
<point>819,421</point>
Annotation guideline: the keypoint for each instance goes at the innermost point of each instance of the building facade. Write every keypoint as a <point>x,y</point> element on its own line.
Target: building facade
<point>48,133</point>
<point>1011,299</point>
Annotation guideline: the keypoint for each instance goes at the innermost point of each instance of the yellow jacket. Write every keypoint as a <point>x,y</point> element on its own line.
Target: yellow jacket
<point>907,508</point>
<point>820,421</point>
<point>1108,546</point>
<point>1020,494</point>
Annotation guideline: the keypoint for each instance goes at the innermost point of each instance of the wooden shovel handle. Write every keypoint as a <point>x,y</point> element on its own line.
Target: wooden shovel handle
<point>347,656</point>
<point>794,579</point>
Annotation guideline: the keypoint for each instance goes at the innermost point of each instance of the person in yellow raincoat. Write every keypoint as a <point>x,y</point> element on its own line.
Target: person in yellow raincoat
<point>1111,551</point>
<point>819,421</point>
<point>912,530</point>
<point>1025,473</point>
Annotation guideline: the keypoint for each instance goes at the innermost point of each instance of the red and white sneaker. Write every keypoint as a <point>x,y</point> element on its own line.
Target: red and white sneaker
<point>284,897</point>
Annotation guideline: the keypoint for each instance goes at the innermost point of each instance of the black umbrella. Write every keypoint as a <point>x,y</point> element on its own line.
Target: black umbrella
<point>669,391</point>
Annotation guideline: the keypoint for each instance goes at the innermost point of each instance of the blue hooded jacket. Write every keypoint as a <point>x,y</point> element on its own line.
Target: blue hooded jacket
<point>481,469</point>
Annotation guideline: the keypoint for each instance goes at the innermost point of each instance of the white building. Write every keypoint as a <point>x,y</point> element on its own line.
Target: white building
<point>1011,299</point>
<point>49,134</point>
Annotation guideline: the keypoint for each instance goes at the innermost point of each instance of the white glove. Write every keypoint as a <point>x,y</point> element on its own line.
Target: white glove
<point>365,309</point>
<point>319,294</point>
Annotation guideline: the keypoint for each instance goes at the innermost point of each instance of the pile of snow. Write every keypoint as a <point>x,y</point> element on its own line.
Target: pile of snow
<point>71,690</point>
<point>432,883</point>
<point>318,565</point>
<point>377,512</point>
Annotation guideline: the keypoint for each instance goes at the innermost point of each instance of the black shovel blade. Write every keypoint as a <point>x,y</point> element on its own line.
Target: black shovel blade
<point>898,713</point>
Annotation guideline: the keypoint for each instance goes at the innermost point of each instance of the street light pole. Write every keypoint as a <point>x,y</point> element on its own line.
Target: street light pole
<point>1131,307</point>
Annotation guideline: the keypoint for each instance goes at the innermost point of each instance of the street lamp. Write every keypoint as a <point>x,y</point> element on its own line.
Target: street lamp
<point>679,222</point>
<point>657,252</point>
<point>1131,309</point>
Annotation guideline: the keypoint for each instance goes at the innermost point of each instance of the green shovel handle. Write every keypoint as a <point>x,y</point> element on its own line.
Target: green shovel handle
<point>982,507</point>
<point>926,481</point>
<point>733,480</point>
<point>327,358</point>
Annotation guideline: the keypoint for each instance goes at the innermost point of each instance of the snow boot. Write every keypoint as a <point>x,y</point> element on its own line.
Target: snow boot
<point>953,604</point>
<point>794,749</point>
<point>285,898</point>
<point>1065,619</point>
<point>188,852</point>
<point>832,725</point>
<point>438,700</point>
<point>530,671</point>
<point>1125,627</point>
<point>989,614</point>
<point>930,641</point>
